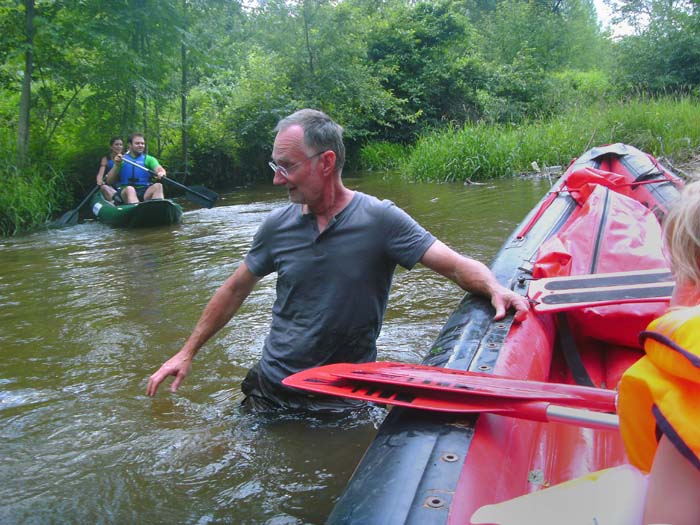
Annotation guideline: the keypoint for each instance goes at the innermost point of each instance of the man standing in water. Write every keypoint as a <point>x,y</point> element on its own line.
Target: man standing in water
<point>335,251</point>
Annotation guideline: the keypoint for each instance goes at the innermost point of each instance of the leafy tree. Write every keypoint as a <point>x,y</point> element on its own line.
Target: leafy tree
<point>556,35</point>
<point>323,48</point>
<point>664,53</point>
<point>427,56</point>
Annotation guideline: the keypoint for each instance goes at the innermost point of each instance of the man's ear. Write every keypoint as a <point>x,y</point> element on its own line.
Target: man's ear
<point>327,159</point>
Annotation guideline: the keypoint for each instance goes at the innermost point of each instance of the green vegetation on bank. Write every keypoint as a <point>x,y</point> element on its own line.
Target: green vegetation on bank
<point>28,198</point>
<point>664,127</point>
<point>441,89</point>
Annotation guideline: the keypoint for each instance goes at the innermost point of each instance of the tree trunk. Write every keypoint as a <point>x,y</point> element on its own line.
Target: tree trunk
<point>183,109</point>
<point>25,97</point>
<point>307,39</point>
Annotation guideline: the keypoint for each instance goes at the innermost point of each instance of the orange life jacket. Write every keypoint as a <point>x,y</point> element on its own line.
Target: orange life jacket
<point>660,394</point>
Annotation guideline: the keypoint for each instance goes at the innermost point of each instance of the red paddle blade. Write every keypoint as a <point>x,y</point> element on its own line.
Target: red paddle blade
<point>320,382</point>
<point>473,383</point>
<point>556,294</point>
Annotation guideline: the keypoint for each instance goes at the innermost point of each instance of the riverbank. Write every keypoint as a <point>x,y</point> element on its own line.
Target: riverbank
<point>689,168</point>
<point>666,128</point>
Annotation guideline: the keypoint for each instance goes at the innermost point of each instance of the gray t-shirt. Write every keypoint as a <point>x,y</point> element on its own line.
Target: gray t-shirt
<point>332,288</point>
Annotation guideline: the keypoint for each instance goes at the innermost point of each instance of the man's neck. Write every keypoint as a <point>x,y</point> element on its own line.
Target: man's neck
<point>336,198</point>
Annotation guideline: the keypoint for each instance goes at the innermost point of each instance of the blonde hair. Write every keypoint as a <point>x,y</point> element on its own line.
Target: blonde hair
<point>682,236</point>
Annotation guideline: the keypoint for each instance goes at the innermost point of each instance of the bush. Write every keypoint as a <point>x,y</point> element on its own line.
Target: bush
<point>28,198</point>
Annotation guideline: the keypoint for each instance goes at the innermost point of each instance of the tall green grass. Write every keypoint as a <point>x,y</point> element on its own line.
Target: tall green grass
<point>665,127</point>
<point>28,198</point>
<point>30,195</point>
<point>381,156</point>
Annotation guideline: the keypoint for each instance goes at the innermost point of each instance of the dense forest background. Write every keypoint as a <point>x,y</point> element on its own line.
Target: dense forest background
<point>206,81</point>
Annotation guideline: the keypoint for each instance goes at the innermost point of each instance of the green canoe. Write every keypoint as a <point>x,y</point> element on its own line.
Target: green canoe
<point>157,212</point>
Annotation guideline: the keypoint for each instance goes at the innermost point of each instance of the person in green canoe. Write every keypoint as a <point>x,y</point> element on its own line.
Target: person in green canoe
<point>335,251</point>
<point>116,146</point>
<point>131,173</point>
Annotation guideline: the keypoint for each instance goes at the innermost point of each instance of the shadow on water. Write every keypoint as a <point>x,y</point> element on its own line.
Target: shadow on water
<point>88,313</point>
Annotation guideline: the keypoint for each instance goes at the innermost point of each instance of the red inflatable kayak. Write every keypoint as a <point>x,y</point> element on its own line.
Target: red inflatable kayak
<point>434,467</point>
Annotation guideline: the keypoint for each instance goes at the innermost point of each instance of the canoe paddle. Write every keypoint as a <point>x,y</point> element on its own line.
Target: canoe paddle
<point>557,294</point>
<point>70,218</point>
<point>542,402</point>
<point>197,194</point>
<point>420,377</point>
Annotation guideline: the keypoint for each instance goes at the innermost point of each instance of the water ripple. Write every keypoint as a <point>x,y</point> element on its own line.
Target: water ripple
<point>88,313</point>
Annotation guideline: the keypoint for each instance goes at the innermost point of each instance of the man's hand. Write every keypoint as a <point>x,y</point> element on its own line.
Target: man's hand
<point>474,277</point>
<point>178,366</point>
<point>502,299</point>
<point>160,173</point>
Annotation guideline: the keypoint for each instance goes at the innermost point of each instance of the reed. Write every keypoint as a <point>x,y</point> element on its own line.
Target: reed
<point>28,198</point>
<point>381,155</point>
<point>663,127</point>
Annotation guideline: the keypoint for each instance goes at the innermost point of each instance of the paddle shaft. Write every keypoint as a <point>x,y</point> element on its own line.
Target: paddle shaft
<point>87,198</point>
<point>171,181</point>
<point>574,415</point>
<point>560,414</point>
<point>144,168</point>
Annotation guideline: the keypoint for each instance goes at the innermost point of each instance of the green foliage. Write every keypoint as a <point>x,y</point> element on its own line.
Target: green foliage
<point>427,58</point>
<point>321,51</point>
<point>31,195</point>
<point>567,90</point>
<point>234,112</point>
<point>582,87</point>
<point>513,92</point>
<point>28,198</point>
<point>661,127</point>
<point>470,152</point>
<point>555,36</point>
<point>381,155</point>
<point>665,126</point>
<point>206,80</point>
<point>664,54</point>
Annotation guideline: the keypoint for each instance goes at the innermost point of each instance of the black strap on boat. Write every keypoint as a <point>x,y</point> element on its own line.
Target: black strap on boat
<point>571,353</point>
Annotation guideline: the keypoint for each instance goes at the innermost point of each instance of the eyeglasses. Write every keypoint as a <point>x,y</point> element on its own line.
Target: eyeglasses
<point>285,171</point>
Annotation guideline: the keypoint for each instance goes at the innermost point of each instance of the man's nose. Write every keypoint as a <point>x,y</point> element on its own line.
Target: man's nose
<point>278,179</point>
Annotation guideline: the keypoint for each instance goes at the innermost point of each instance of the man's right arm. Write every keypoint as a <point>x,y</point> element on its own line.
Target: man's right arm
<point>221,308</point>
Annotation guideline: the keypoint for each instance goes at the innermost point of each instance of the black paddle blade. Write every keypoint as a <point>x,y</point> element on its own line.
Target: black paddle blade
<point>197,194</point>
<point>70,218</point>
<point>202,196</point>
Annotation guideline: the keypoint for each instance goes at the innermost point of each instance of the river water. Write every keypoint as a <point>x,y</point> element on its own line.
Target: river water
<point>88,313</point>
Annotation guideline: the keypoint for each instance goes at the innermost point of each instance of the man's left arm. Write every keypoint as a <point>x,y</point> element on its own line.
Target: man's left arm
<point>475,277</point>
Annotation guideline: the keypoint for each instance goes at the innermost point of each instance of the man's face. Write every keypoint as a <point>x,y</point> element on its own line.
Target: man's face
<point>289,152</point>
<point>137,145</point>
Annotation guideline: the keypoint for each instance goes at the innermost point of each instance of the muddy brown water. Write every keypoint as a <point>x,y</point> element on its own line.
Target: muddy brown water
<point>88,313</point>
